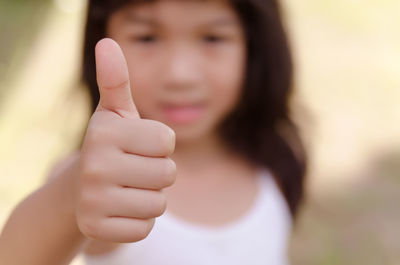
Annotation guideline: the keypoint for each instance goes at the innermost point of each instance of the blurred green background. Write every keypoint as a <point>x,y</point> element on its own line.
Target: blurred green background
<point>347,55</point>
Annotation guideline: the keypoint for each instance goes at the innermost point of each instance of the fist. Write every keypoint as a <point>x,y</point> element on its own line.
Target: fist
<point>124,162</point>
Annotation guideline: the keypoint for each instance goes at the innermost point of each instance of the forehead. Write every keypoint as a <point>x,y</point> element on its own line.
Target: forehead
<point>180,12</point>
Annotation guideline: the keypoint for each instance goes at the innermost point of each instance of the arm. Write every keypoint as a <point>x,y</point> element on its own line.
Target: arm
<point>42,229</point>
<point>112,192</point>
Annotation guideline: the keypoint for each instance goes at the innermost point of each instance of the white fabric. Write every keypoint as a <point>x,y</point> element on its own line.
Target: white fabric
<point>259,237</point>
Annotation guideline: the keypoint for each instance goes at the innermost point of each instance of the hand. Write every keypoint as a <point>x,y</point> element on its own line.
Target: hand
<point>124,162</point>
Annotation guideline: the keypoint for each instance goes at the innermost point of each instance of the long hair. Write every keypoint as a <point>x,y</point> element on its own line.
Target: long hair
<point>259,127</point>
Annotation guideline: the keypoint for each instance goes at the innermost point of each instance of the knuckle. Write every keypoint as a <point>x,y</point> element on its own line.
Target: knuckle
<point>88,202</point>
<point>101,128</point>
<point>122,85</point>
<point>90,167</point>
<point>90,228</point>
<point>96,133</point>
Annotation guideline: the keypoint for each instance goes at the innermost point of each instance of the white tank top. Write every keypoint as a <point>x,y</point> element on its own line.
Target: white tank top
<point>259,237</point>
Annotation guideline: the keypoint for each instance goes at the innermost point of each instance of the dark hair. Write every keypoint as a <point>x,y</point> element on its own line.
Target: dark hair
<point>260,127</point>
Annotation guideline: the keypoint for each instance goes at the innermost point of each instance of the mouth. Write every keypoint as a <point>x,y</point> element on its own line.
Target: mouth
<point>183,113</point>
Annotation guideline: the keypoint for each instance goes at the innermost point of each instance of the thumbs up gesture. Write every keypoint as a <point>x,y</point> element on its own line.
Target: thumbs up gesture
<point>124,163</point>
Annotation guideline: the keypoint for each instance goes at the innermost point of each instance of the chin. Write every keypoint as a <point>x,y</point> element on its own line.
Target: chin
<point>188,136</point>
<point>191,133</point>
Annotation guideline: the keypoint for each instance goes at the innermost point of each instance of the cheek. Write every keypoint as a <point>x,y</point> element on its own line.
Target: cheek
<point>143,84</point>
<point>227,85</point>
<point>143,97</point>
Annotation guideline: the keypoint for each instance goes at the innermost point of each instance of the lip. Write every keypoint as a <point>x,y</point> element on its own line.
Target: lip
<point>183,113</point>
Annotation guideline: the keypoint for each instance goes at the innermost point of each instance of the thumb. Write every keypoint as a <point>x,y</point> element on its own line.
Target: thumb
<point>113,80</point>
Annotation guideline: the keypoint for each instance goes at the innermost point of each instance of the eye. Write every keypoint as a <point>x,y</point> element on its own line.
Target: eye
<point>213,38</point>
<point>145,38</point>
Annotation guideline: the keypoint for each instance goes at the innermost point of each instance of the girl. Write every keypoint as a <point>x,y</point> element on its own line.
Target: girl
<point>205,103</point>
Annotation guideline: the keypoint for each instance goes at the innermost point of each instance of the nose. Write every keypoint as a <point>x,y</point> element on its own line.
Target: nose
<point>182,69</point>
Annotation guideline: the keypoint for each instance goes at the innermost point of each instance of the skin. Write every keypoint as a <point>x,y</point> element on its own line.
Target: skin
<point>182,53</point>
<point>120,180</point>
<point>117,201</point>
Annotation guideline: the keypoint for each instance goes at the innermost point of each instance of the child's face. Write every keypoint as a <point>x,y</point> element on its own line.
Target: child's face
<point>186,61</point>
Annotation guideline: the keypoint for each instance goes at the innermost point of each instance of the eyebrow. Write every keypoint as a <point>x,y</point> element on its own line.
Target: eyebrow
<point>133,18</point>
